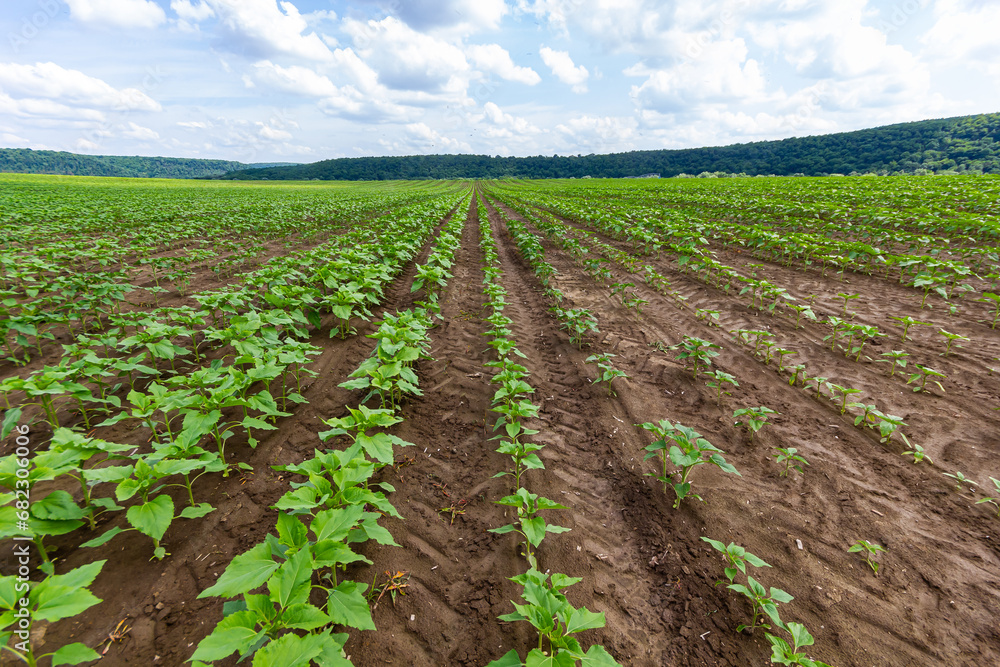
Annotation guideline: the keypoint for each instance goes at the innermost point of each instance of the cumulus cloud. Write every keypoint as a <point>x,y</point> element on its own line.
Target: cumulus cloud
<point>263,29</point>
<point>409,60</point>
<point>563,68</point>
<point>431,141</point>
<point>964,32</point>
<point>506,125</point>
<point>496,59</point>
<point>598,134</point>
<point>722,74</point>
<point>140,133</point>
<point>462,16</point>
<point>68,88</point>
<point>117,13</point>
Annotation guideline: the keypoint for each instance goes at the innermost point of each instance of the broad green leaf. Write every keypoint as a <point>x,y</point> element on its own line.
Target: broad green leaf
<point>597,656</point>
<point>58,602</point>
<point>347,606</point>
<point>335,524</point>
<point>74,654</point>
<point>106,537</point>
<point>290,584</point>
<point>509,659</point>
<point>197,511</point>
<point>152,518</point>
<point>224,642</point>
<point>537,658</point>
<point>584,619</point>
<point>304,617</point>
<point>245,573</point>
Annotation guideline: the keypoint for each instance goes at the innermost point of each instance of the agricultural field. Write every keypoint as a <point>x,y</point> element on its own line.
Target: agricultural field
<point>680,422</point>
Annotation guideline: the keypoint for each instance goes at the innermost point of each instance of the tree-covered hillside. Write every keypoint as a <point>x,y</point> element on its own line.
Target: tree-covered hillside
<point>27,161</point>
<point>963,144</point>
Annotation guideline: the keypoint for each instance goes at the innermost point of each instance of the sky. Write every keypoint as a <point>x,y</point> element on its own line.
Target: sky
<point>307,80</point>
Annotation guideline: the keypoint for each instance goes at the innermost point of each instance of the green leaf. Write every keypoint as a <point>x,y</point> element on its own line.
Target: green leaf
<point>583,619</point>
<point>597,656</point>
<point>10,419</point>
<point>290,585</point>
<point>304,617</point>
<point>58,602</point>
<point>509,659</point>
<point>537,658</point>
<point>534,529</point>
<point>152,518</point>
<point>74,654</point>
<point>106,537</point>
<point>347,606</point>
<point>291,531</point>
<point>245,573</point>
<point>335,524</point>
<point>224,642</point>
<point>290,651</point>
<point>197,511</point>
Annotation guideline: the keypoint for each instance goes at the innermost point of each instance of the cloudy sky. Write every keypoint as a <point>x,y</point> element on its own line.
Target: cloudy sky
<point>305,80</point>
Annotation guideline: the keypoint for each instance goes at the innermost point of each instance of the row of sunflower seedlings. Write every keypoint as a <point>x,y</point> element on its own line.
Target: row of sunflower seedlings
<point>80,458</point>
<point>348,285</point>
<point>341,505</point>
<point>545,605</point>
<point>578,322</point>
<point>687,450</point>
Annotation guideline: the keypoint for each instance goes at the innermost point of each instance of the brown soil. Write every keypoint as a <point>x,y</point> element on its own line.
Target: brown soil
<point>934,602</point>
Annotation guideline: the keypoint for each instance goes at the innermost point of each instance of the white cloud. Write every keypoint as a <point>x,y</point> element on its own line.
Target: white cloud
<point>189,12</point>
<point>457,16</point>
<point>427,140</point>
<point>13,141</point>
<point>598,134</point>
<point>722,74</point>
<point>409,60</point>
<point>494,58</point>
<point>140,133</point>
<point>194,124</point>
<point>562,66</point>
<point>69,87</point>
<point>294,79</point>
<point>262,29</point>
<point>506,125</point>
<point>117,13</point>
<point>965,32</point>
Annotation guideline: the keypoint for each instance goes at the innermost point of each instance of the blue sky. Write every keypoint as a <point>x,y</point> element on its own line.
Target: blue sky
<point>305,80</point>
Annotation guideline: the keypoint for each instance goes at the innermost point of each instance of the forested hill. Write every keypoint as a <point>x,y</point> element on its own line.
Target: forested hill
<point>27,161</point>
<point>962,144</point>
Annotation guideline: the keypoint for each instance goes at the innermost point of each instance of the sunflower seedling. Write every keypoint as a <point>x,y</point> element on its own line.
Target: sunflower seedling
<point>907,322</point>
<point>686,453</point>
<point>529,526</point>
<point>718,380</point>
<point>993,501</point>
<point>790,457</point>
<point>923,372</point>
<point>847,297</point>
<point>736,556</point>
<point>607,372</point>
<point>753,418</point>
<point>918,454</point>
<point>896,359</point>
<point>869,551</point>
<point>783,653</point>
<point>952,340</point>
<point>960,479</point>
<point>698,351</point>
<point>994,301</point>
